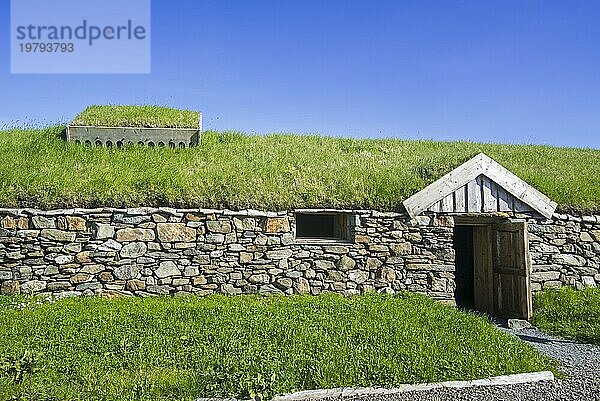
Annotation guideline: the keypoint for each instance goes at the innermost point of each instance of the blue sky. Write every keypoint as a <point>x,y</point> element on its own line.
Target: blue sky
<point>505,71</point>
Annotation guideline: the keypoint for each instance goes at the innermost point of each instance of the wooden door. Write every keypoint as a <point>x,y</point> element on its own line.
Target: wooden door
<point>482,265</point>
<point>511,268</point>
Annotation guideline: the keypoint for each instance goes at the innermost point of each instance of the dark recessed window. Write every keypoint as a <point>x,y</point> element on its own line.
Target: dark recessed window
<point>327,226</point>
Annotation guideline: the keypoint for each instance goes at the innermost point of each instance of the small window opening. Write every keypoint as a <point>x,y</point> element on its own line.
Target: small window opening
<point>323,226</point>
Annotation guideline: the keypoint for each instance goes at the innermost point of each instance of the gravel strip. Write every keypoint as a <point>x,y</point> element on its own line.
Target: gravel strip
<point>581,362</point>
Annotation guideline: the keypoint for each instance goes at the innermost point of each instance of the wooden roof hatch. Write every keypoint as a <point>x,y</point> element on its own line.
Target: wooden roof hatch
<point>481,185</point>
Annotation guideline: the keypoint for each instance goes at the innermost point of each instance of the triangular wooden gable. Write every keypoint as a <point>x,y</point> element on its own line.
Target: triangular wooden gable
<point>480,185</point>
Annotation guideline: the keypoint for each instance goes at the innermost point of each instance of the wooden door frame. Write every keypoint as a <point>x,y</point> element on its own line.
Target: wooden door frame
<point>482,260</point>
<point>485,285</point>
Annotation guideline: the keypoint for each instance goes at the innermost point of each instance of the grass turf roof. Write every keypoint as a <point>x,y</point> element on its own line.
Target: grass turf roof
<point>271,172</point>
<point>137,116</point>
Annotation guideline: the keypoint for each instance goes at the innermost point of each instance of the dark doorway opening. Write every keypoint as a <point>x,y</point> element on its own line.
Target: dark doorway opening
<point>465,267</point>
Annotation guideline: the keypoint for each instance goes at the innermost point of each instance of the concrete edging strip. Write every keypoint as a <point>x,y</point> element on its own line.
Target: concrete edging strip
<point>363,391</point>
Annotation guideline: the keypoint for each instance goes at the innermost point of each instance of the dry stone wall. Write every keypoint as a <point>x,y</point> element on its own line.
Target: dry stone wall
<point>147,251</point>
<point>565,251</point>
<point>166,251</point>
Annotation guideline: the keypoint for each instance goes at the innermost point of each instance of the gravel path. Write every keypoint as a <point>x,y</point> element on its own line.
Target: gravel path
<point>581,362</point>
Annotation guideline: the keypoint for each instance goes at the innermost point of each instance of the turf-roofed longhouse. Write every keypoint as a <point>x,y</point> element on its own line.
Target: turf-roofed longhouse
<point>288,214</point>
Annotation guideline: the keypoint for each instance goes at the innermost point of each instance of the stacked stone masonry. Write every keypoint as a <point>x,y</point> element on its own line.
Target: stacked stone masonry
<point>565,251</point>
<point>156,251</point>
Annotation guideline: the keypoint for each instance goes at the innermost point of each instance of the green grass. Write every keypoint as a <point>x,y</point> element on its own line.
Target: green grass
<point>245,346</point>
<point>137,116</point>
<point>569,313</point>
<point>273,172</point>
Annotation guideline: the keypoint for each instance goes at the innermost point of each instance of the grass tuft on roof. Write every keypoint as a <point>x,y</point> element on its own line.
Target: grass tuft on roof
<point>137,116</point>
<point>274,172</point>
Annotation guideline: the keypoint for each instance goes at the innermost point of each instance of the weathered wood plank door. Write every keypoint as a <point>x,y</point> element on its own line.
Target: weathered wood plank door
<point>511,270</point>
<point>483,272</point>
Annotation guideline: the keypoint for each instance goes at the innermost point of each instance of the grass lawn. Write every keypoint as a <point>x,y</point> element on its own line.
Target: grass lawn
<point>273,172</point>
<point>137,116</point>
<point>569,313</point>
<point>245,346</point>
